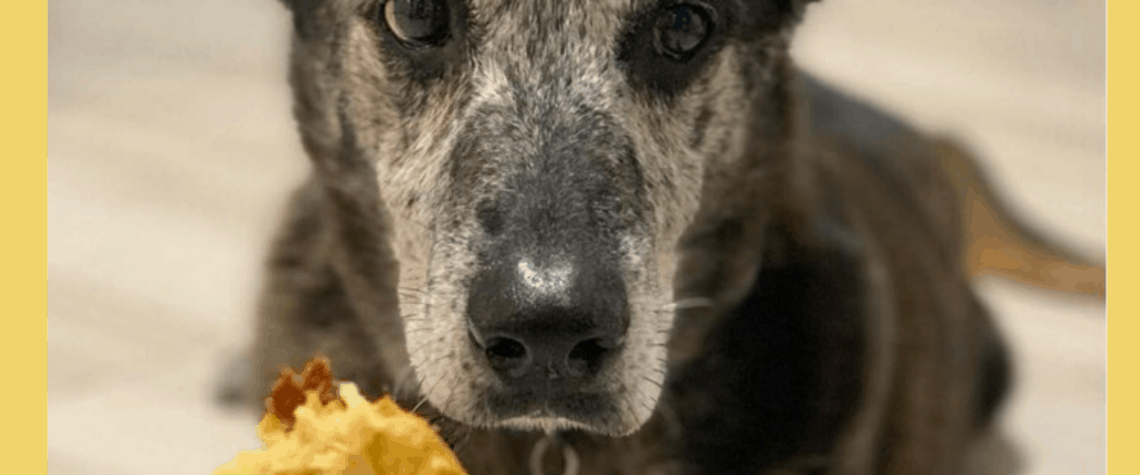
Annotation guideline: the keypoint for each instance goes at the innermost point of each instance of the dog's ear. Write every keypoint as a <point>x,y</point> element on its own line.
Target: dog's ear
<point>302,10</point>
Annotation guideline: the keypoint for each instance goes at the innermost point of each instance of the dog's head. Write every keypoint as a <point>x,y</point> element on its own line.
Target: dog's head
<point>538,162</point>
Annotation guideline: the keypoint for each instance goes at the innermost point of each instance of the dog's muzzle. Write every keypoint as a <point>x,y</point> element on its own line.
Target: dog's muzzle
<point>547,306</point>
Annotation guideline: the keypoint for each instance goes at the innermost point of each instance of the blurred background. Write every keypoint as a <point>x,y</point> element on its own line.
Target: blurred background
<point>171,148</point>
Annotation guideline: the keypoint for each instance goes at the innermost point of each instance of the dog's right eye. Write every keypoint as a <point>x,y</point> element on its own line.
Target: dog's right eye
<point>680,30</point>
<point>417,22</point>
<point>666,44</point>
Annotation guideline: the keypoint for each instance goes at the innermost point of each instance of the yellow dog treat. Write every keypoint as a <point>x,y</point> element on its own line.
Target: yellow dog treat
<point>343,434</point>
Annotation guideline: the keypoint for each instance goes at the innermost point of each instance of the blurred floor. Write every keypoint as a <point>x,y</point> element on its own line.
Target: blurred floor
<point>171,148</point>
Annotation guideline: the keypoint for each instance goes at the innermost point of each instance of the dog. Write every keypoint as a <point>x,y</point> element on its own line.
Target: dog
<point>630,236</point>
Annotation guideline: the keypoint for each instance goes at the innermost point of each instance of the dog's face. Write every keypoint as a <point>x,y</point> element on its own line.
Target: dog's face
<point>539,161</point>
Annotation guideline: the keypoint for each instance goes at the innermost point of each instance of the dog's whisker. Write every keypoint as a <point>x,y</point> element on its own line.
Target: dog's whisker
<point>653,381</point>
<point>424,397</point>
<point>635,398</point>
<point>436,383</point>
<point>401,380</point>
<point>447,400</point>
<point>421,347</point>
<point>687,303</point>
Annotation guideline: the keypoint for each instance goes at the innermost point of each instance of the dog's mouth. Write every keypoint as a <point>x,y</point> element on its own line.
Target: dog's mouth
<point>553,408</point>
<point>549,409</point>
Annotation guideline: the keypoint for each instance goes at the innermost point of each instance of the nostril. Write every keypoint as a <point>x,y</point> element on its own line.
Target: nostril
<point>588,350</point>
<point>507,356</point>
<point>586,357</point>
<point>505,349</point>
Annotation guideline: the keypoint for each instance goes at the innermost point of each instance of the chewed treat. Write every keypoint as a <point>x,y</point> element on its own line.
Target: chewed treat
<point>313,428</point>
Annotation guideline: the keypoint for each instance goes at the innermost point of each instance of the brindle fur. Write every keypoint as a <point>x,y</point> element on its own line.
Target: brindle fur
<point>840,334</point>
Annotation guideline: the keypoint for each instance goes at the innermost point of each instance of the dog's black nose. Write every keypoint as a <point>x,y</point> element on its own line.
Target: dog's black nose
<point>538,321</point>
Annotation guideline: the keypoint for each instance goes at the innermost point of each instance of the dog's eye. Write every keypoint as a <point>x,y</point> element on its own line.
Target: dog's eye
<point>667,44</point>
<point>680,30</point>
<point>417,22</point>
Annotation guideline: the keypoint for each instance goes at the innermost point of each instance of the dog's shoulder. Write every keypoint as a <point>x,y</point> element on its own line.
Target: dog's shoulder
<point>881,156</point>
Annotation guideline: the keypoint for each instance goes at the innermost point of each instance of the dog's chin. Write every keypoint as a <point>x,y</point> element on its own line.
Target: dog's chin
<point>546,423</point>
<point>549,422</point>
<point>590,413</point>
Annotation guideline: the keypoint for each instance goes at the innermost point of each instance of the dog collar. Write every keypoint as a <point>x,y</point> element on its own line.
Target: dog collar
<point>570,462</point>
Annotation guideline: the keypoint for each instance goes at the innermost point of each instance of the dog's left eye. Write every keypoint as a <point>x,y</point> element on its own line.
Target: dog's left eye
<point>417,22</point>
<point>680,30</point>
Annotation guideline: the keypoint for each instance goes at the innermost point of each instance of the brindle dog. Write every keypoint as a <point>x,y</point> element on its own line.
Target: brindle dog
<point>634,229</point>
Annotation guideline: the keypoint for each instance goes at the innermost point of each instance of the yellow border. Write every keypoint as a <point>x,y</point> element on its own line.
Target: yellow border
<point>23,202</point>
<point>1123,236</point>
<point>23,207</point>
